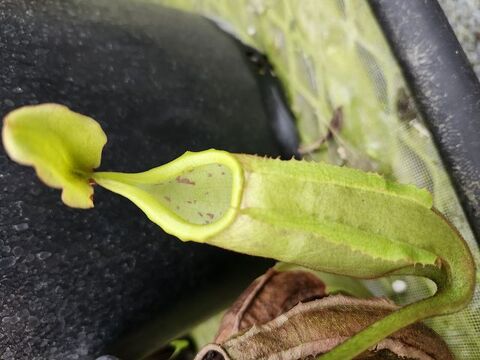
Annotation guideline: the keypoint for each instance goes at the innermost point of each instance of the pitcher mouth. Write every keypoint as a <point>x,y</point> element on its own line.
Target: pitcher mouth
<point>193,197</point>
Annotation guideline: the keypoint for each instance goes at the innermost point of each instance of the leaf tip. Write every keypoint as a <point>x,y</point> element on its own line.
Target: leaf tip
<point>63,147</point>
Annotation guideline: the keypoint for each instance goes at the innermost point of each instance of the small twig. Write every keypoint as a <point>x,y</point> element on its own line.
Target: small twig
<point>334,127</point>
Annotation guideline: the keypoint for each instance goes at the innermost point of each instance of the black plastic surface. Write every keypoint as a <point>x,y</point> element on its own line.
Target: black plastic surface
<point>160,82</point>
<point>281,117</point>
<point>444,86</point>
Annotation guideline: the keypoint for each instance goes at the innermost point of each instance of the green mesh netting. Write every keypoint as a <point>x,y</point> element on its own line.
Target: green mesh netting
<point>332,57</point>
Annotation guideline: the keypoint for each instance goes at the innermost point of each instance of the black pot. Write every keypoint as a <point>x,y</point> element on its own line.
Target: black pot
<point>74,283</point>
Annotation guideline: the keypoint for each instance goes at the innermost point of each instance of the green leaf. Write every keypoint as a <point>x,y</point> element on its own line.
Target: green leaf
<point>323,217</point>
<point>178,346</point>
<point>63,146</point>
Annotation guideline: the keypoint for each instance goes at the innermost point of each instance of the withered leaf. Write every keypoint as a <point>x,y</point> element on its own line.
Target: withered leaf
<point>268,297</point>
<point>315,327</point>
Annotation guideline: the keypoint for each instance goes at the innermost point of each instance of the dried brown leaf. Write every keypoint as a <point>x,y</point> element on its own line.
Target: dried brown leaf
<point>268,297</point>
<point>317,326</point>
